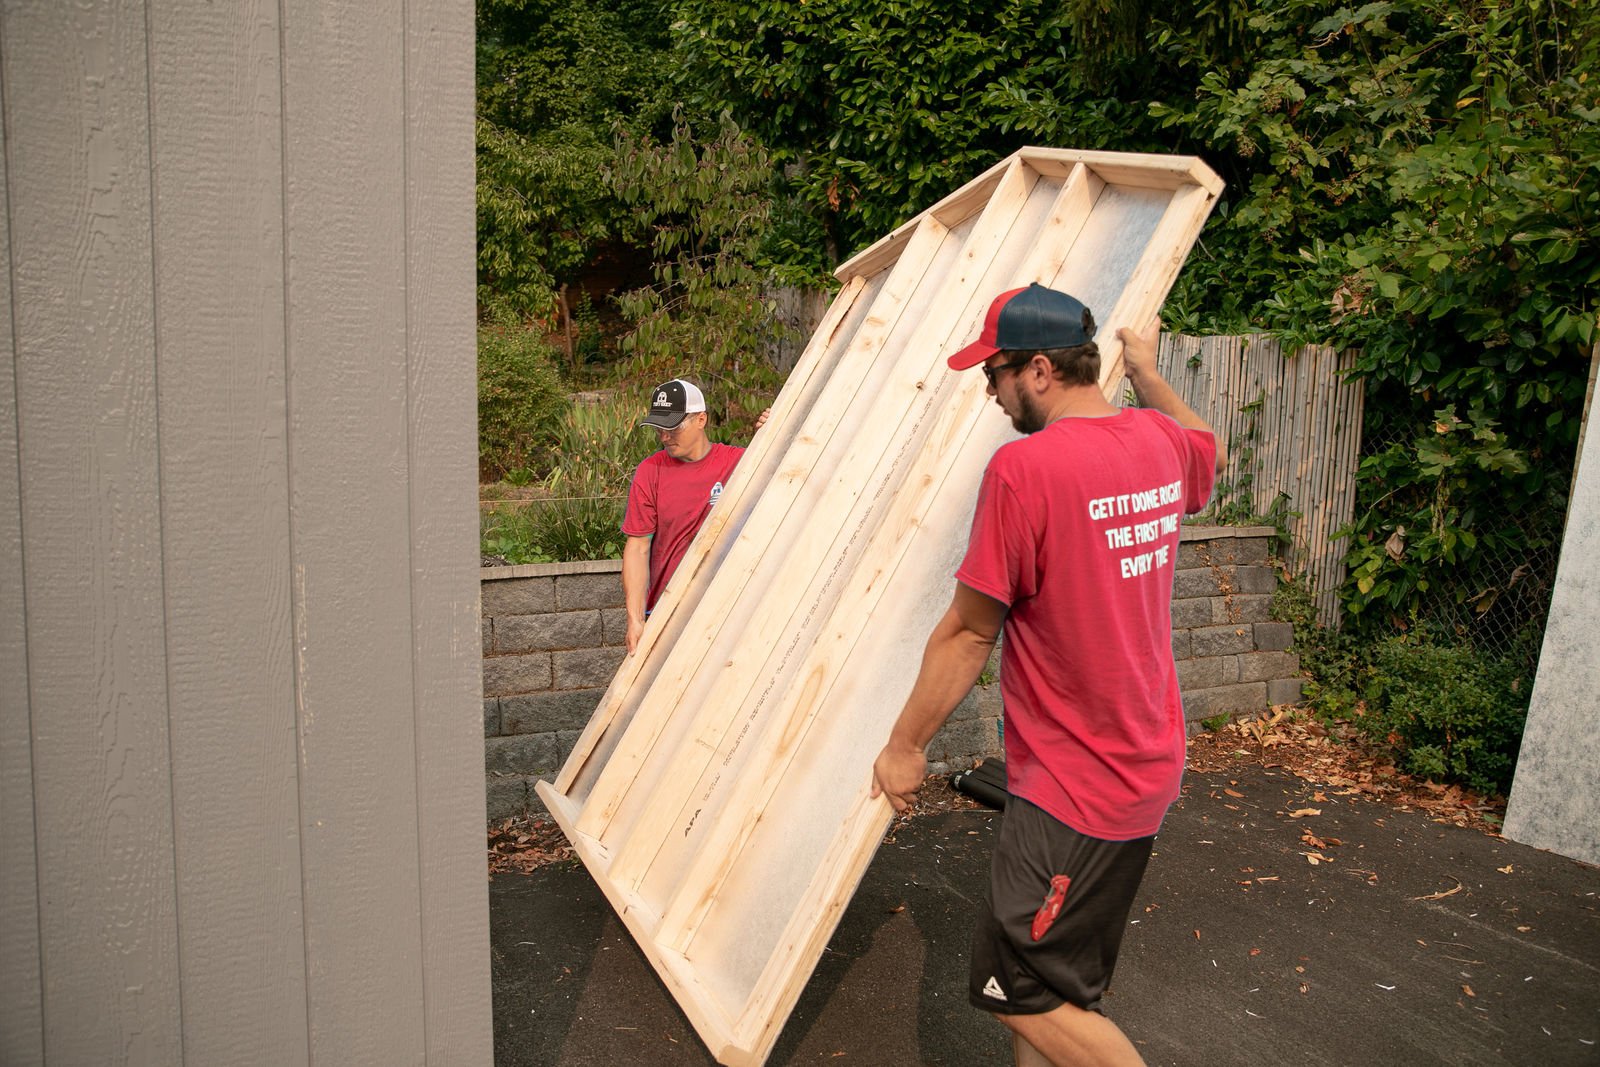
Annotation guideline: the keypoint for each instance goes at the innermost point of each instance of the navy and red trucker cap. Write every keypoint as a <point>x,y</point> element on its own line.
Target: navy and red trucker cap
<point>1028,320</point>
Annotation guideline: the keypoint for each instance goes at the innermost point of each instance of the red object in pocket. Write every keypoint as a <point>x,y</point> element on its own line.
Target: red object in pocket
<point>1051,907</point>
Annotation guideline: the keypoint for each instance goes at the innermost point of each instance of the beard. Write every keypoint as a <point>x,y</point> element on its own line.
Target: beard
<point>1030,417</point>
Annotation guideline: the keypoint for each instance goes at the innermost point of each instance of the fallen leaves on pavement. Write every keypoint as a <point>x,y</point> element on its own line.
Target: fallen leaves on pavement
<point>518,846</point>
<point>1339,764</point>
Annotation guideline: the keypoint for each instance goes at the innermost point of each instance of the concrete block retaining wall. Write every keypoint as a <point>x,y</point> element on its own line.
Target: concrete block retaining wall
<point>553,637</point>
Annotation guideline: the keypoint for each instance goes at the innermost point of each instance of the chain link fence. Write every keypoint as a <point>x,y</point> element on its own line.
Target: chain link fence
<point>1501,605</point>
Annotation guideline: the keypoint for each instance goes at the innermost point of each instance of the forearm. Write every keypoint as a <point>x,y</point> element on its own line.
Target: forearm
<point>1139,363</point>
<point>635,577</point>
<point>951,663</point>
<point>1153,391</point>
<point>954,657</point>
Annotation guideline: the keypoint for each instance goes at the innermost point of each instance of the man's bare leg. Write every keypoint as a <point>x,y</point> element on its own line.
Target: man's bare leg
<point>1069,1037</point>
<point>1026,1054</point>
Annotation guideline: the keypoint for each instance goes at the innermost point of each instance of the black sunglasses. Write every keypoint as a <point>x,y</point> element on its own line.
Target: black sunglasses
<point>990,372</point>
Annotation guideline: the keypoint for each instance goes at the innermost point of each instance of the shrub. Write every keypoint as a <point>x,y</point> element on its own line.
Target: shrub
<point>556,530</point>
<point>593,450</point>
<point>1449,712</point>
<point>520,398</point>
<point>595,447</point>
<point>1328,656</point>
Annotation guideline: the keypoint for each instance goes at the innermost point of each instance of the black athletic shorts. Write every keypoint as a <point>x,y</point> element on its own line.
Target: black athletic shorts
<point>1058,905</point>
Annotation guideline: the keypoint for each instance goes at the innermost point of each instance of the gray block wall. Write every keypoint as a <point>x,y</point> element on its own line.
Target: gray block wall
<point>1232,657</point>
<point>553,637</point>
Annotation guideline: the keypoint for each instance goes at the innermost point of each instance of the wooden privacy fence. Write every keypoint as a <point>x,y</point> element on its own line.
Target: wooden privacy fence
<point>1293,427</point>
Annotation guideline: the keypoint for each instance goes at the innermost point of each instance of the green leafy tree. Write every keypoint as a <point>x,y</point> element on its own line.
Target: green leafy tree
<point>1427,190</point>
<point>873,109</point>
<point>707,205</point>
<point>554,79</point>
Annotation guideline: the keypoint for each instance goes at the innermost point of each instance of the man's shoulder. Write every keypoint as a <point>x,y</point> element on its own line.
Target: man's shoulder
<point>650,463</point>
<point>724,456</point>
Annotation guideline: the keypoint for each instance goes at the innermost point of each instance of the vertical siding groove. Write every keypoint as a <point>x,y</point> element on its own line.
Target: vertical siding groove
<point>13,1040</point>
<point>296,575</point>
<point>161,519</point>
<point>406,340</point>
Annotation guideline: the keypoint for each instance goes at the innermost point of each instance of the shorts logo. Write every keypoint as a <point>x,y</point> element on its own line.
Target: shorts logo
<point>991,988</point>
<point>1053,901</point>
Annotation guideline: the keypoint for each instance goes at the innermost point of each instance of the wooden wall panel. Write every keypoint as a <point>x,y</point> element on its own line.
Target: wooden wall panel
<point>216,130</point>
<point>348,384</point>
<point>21,1023</point>
<point>442,450</point>
<point>720,796</point>
<point>78,190</point>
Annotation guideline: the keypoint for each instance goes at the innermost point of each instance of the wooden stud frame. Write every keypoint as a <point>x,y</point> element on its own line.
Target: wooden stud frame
<point>720,795</point>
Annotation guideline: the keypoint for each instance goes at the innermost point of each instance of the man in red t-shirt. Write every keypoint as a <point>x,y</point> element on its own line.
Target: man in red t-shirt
<point>1073,550</point>
<point>673,491</point>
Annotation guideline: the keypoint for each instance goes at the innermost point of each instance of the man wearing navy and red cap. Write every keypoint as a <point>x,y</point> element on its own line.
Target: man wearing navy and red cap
<point>1072,553</point>
<point>672,492</point>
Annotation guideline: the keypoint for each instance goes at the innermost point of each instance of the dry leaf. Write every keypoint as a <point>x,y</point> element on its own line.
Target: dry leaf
<point>1231,793</point>
<point>1441,895</point>
<point>1300,813</point>
<point>1468,990</point>
<point>1507,869</point>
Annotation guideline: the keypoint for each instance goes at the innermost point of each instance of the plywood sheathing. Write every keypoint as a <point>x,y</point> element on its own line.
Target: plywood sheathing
<point>720,794</point>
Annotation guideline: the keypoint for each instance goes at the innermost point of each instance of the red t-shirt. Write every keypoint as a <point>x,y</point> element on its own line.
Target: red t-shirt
<point>667,502</point>
<point>1076,531</point>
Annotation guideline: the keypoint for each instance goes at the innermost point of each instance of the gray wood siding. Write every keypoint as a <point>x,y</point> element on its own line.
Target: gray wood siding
<point>442,411</point>
<point>240,751</point>
<point>21,1029</point>
<point>78,189</point>
<point>216,128</point>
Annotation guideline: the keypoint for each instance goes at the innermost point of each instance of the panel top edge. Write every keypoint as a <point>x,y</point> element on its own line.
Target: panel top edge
<point>1147,169</point>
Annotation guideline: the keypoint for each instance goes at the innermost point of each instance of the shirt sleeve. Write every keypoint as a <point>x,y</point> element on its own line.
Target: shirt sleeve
<point>640,518</point>
<point>1000,561</point>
